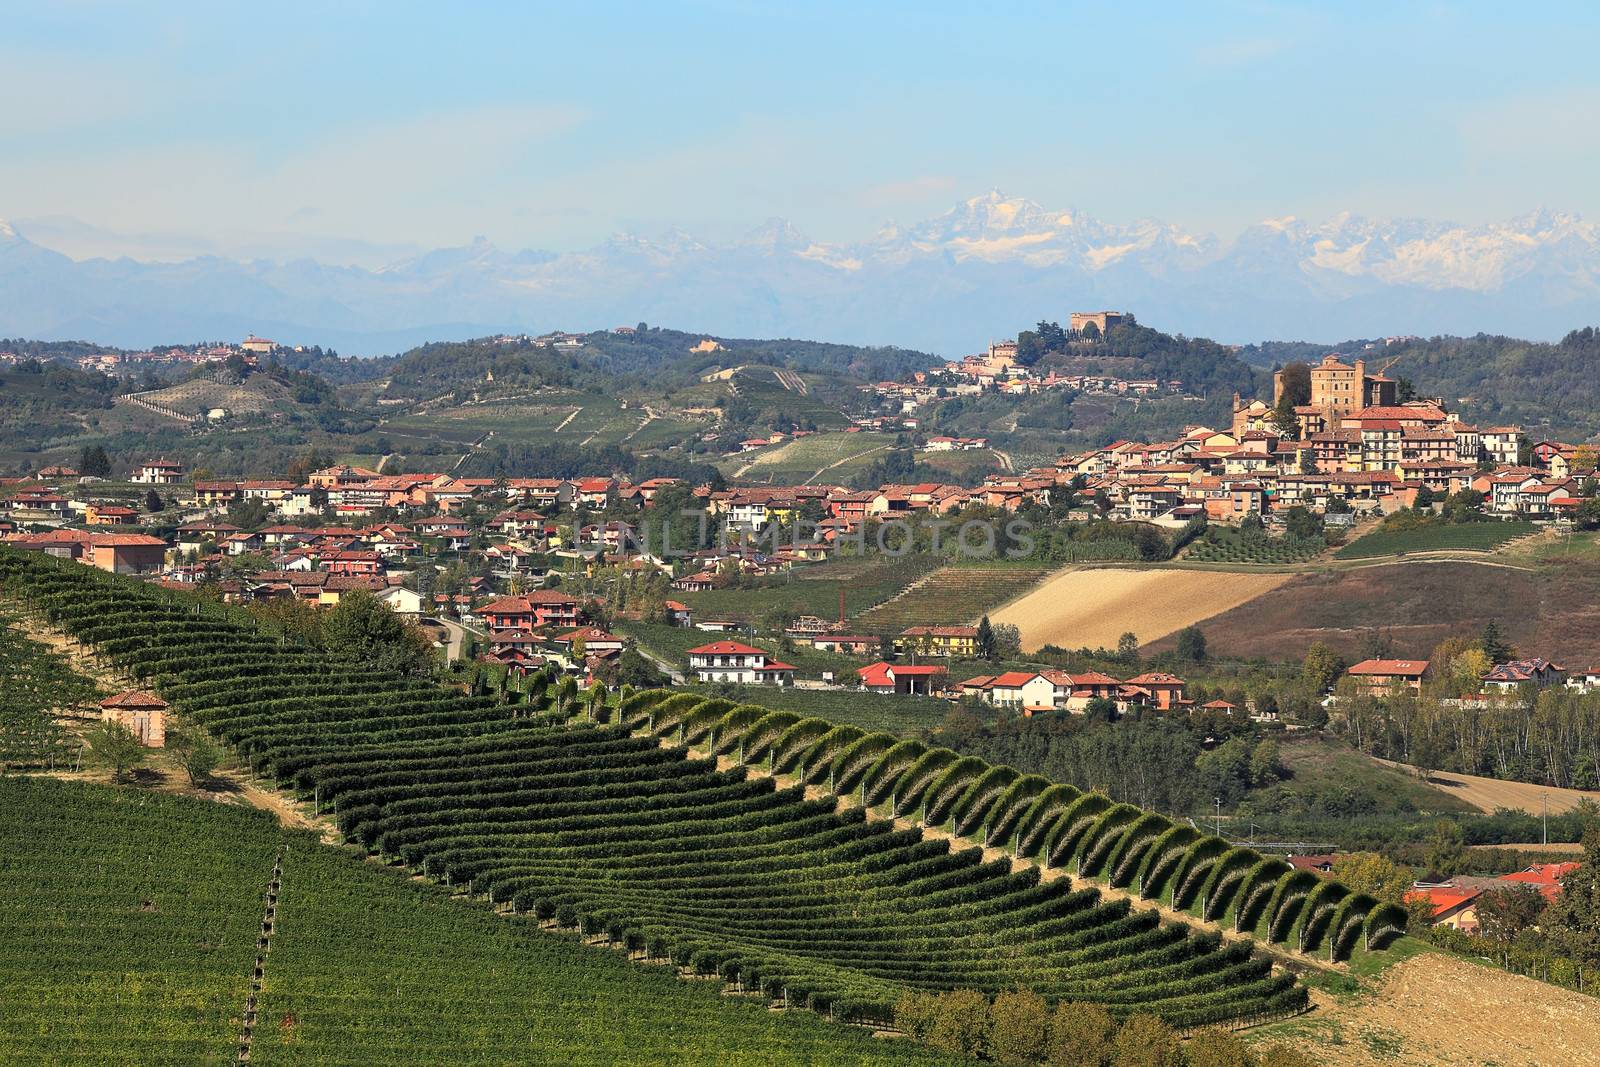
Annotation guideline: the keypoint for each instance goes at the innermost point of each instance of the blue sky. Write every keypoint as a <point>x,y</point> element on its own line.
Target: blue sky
<point>354,129</point>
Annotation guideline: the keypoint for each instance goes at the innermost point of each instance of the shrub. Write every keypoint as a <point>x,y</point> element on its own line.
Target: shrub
<point>1218,1048</point>
<point>1146,1041</point>
<point>915,1013</point>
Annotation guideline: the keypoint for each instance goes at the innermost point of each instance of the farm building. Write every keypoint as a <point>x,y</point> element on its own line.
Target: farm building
<point>1378,676</point>
<point>144,714</point>
<point>900,678</point>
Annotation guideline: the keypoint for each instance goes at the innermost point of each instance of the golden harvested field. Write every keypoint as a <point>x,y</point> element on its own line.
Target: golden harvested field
<point>1490,794</point>
<point>1091,608</point>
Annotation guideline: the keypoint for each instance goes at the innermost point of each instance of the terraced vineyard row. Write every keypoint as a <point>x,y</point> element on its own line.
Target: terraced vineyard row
<point>719,870</point>
<point>128,927</point>
<point>951,596</point>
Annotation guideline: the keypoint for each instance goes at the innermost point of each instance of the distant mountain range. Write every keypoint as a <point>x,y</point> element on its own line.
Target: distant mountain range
<point>984,269</point>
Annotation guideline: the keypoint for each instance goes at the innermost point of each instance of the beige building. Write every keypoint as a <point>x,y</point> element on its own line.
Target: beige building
<point>1102,320</point>
<point>1339,389</point>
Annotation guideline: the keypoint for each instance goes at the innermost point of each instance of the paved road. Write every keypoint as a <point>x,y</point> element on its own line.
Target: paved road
<point>458,637</point>
<point>666,668</point>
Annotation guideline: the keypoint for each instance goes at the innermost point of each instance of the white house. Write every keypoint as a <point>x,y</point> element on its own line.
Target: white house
<point>159,472</point>
<point>730,661</point>
<point>402,600</point>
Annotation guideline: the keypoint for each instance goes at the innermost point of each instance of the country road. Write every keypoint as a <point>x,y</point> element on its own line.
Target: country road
<point>458,636</point>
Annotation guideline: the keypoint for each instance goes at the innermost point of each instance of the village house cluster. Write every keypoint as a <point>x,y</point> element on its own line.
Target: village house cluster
<point>1502,683</point>
<point>1356,448</point>
<point>995,372</point>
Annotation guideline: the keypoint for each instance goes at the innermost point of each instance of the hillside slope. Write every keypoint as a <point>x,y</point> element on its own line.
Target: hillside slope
<point>365,966</point>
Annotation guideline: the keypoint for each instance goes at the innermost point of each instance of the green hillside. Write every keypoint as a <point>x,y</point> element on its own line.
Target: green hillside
<point>128,934</point>
<point>726,870</point>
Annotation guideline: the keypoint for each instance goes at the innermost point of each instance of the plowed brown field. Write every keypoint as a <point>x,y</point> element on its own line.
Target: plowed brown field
<point>1435,1010</point>
<point>1091,608</point>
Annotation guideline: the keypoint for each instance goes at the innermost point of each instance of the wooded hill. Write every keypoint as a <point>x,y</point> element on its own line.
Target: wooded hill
<point>649,359</point>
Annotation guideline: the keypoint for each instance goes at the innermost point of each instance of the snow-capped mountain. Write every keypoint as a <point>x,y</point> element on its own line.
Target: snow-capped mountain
<point>983,269</point>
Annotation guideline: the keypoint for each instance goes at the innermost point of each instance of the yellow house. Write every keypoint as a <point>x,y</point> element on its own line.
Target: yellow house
<point>961,641</point>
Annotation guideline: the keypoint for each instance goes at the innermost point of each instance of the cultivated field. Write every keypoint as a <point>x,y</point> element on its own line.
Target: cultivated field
<point>824,456</point>
<point>1470,537</point>
<point>1551,611</point>
<point>257,394</point>
<point>1435,1010</point>
<point>128,934</point>
<point>1491,794</point>
<point>1093,607</point>
<point>951,596</point>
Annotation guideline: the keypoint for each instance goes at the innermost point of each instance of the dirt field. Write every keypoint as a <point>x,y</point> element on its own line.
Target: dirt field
<point>1487,794</point>
<point>1093,607</point>
<point>1435,1010</point>
<point>1551,611</point>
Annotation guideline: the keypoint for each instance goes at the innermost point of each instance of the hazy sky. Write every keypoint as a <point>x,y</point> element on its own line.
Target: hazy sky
<point>280,126</point>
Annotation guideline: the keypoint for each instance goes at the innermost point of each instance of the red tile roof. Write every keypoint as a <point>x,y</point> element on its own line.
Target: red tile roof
<point>726,648</point>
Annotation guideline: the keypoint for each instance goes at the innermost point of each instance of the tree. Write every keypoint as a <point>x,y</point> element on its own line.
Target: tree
<point>152,501</point>
<point>1301,523</point>
<point>1007,640</point>
<point>1128,648</point>
<point>962,1024</point>
<point>985,640</point>
<point>1572,921</point>
<point>1019,1027</point>
<point>1192,644</point>
<point>1424,499</point>
<point>113,745</point>
<point>94,463</point>
<point>1321,667</point>
<point>635,670</point>
<point>1505,913</point>
<point>1446,848</point>
<point>1146,1041</point>
<point>1090,332</point>
<point>1081,1035</point>
<point>1494,643</point>
<point>915,1014</point>
<point>1294,383</point>
<point>195,752</point>
<point>1308,461</point>
<point>1369,872</point>
<point>363,627</point>
<point>1265,766</point>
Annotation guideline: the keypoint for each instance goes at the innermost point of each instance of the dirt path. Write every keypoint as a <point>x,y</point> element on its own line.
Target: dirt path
<point>841,462</point>
<point>1436,1010</point>
<point>1487,794</point>
<point>231,784</point>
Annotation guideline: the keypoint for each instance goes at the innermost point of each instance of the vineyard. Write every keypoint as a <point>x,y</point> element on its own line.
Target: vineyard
<point>130,938</point>
<point>951,596</point>
<point>688,829</point>
<point>1436,537</point>
<point>128,924</point>
<point>1221,545</point>
<point>814,590</point>
<point>38,689</point>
